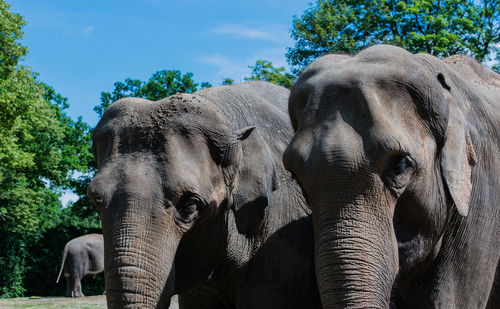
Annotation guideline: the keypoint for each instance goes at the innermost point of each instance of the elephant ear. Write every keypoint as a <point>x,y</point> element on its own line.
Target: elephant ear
<point>256,179</point>
<point>457,155</point>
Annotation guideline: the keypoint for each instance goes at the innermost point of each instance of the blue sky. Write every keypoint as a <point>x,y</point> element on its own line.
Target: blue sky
<point>82,47</point>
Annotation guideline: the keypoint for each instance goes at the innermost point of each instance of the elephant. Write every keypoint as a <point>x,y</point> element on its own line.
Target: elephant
<point>82,256</point>
<point>194,201</point>
<point>398,157</point>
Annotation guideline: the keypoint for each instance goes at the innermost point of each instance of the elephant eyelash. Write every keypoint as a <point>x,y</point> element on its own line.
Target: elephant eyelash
<point>399,149</point>
<point>399,157</point>
<point>187,198</point>
<point>392,149</point>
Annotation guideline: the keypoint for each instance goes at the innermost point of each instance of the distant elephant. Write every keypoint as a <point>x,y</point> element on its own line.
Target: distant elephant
<point>82,256</point>
<point>399,158</point>
<point>194,200</point>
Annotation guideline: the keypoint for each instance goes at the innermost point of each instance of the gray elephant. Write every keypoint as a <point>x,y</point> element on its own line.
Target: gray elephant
<point>398,155</point>
<point>194,200</point>
<point>82,256</point>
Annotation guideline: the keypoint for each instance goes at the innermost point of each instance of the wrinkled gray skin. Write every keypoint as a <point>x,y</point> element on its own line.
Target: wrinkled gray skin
<point>195,201</point>
<point>398,156</point>
<point>82,256</point>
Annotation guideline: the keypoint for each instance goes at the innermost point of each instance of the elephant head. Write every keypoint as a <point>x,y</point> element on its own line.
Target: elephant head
<point>168,173</point>
<point>384,156</point>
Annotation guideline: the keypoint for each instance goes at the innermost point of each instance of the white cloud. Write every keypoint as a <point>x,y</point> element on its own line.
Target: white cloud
<point>68,197</point>
<point>87,31</point>
<point>243,32</point>
<point>271,38</point>
<point>226,67</point>
<point>237,68</point>
<point>273,33</point>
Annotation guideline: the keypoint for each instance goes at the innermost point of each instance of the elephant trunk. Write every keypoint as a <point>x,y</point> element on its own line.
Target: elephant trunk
<point>131,287</point>
<point>356,256</point>
<point>139,257</point>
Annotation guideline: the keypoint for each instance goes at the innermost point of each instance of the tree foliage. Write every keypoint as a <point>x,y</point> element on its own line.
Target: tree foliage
<point>162,84</point>
<point>10,49</point>
<point>227,81</point>
<point>39,148</point>
<point>441,28</point>
<point>264,70</point>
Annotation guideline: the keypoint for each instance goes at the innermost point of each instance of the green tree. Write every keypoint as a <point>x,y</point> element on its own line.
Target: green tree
<point>39,148</point>
<point>205,85</point>
<point>441,28</point>
<point>264,70</point>
<point>227,81</point>
<point>484,41</point>
<point>10,49</point>
<point>162,84</point>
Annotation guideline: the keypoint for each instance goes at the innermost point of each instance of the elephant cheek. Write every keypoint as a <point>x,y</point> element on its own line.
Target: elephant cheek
<point>139,255</point>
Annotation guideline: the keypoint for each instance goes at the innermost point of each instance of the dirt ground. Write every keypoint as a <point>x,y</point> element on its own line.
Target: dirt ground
<point>88,302</point>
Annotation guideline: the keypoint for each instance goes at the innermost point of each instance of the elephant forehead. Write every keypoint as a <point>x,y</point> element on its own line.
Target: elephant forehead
<point>378,64</point>
<point>362,102</point>
<point>186,152</point>
<point>125,136</point>
<point>370,118</point>
<point>183,165</point>
<point>186,165</point>
<point>371,89</point>
<point>136,112</point>
<point>180,138</point>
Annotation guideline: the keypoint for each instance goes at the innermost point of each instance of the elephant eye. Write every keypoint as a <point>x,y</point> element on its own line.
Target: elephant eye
<point>401,164</point>
<point>187,209</point>
<point>399,171</point>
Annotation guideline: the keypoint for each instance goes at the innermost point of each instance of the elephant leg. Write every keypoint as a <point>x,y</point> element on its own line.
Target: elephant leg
<point>77,288</point>
<point>494,299</point>
<point>69,286</point>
